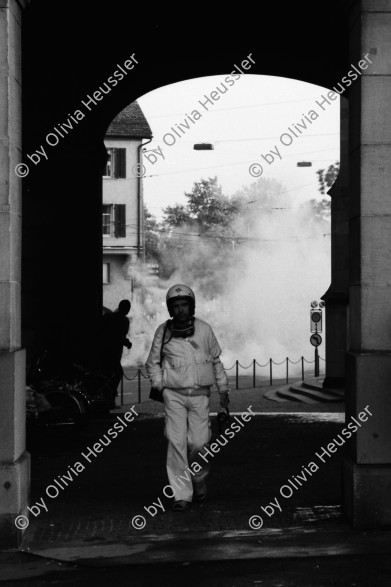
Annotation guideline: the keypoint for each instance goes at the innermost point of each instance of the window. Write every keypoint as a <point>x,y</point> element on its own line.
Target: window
<point>106,272</point>
<point>107,219</point>
<point>116,163</point>
<point>114,220</point>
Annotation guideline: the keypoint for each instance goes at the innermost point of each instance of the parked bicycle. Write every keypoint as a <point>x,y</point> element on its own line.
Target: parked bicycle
<point>60,396</point>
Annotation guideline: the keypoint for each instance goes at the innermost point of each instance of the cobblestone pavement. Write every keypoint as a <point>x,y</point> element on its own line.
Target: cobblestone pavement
<point>129,474</point>
<point>89,521</point>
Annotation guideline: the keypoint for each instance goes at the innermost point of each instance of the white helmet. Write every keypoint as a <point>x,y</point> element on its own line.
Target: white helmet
<point>179,291</point>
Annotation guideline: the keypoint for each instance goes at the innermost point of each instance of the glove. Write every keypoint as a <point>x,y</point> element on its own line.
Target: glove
<point>223,419</point>
<point>224,399</point>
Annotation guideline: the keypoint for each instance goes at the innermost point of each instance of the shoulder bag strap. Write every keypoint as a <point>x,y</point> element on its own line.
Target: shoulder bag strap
<point>163,343</point>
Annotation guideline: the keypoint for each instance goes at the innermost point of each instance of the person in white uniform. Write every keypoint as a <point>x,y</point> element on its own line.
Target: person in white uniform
<point>183,363</point>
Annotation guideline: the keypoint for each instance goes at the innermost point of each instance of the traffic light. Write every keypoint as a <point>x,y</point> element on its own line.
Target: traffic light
<point>316,320</point>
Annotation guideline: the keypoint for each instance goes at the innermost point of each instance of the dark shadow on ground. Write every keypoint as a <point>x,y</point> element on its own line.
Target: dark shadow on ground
<point>129,474</point>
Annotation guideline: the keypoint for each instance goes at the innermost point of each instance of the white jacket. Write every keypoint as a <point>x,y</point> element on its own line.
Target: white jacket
<point>188,363</point>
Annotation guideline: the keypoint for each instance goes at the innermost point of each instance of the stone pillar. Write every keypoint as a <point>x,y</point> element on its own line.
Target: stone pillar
<point>337,295</point>
<point>14,461</point>
<point>367,466</point>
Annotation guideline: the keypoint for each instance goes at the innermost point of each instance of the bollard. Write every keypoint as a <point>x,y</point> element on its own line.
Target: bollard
<point>139,385</point>
<point>287,367</point>
<point>302,368</point>
<point>254,363</point>
<point>237,374</point>
<point>271,371</point>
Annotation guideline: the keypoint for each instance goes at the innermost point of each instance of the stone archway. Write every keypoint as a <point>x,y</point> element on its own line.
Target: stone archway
<point>15,462</point>
<point>62,66</point>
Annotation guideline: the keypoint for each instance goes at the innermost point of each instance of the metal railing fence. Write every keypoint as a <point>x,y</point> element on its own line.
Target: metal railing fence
<point>140,374</point>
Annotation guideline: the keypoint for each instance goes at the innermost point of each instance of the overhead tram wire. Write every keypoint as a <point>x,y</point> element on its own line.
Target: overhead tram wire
<point>322,134</point>
<point>180,236</point>
<point>146,176</point>
<point>259,105</point>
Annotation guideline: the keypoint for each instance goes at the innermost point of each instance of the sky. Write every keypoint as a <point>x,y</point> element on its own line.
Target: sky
<point>266,124</point>
<point>246,122</point>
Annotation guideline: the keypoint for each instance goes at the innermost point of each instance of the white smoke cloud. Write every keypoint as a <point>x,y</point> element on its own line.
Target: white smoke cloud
<point>259,305</point>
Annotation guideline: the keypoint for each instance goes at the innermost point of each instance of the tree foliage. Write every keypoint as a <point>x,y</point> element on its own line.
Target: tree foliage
<point>320,210</point>
<point>207,209</point>
<point>151,235</point>
<point>327,177</point>
<point>176,215</point>
<point>195,239</point>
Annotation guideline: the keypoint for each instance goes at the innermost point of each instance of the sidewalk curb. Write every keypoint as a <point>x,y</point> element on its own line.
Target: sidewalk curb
<point>213,546</point>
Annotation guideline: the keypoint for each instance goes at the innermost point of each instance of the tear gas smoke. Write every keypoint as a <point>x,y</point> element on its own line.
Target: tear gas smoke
<point>255,291</point>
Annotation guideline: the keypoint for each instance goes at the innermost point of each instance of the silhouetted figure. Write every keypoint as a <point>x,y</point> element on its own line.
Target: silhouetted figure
<point>113,331</point>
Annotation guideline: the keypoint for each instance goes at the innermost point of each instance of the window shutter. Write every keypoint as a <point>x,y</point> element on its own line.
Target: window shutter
<point>119,163</point>
<point>120,220</point>
<point>106,272</point>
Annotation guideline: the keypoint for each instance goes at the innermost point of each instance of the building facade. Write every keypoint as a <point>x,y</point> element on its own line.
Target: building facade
<point>122,211</point>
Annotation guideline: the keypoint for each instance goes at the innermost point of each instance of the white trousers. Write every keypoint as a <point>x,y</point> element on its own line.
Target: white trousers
<point>187,430</point>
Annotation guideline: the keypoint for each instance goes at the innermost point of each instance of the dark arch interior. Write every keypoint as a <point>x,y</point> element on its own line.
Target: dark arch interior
<point>68,52</point>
